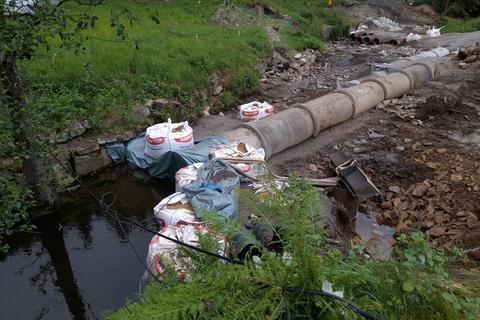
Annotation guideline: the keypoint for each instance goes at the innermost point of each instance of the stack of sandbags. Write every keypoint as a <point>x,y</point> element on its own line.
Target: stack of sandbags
<point>178,221</point>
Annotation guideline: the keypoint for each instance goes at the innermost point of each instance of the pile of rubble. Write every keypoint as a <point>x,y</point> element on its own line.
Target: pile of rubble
<point>469,55</point>
<point>404,107</point>
<point>429,205</point>
<point>302,65</point>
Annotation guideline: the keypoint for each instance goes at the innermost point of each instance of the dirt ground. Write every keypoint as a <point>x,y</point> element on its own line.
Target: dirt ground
<point>422,151</point>
<point>428,171</point>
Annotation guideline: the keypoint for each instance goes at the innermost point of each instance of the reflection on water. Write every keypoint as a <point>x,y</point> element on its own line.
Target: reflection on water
<point>79,263</point>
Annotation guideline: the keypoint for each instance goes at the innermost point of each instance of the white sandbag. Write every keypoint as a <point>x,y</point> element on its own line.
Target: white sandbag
<point>156,140</point>
<point>255,110</point>
<point>433,32</point>
<point>413,37</point>
<point>186,176</point>
<point>175,210</point>
<point>241,150</point>
<point>181,136</point>
<point>163,255</point>
<point>167,136</point>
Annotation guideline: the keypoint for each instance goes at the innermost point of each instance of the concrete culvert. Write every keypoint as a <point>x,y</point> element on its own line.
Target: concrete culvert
<point>376,41</point>
<point>366,40</point>
<point>394,42</point>
<point>283,130</point>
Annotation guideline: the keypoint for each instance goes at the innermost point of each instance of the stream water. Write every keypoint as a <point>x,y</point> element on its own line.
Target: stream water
<point>78,263</point>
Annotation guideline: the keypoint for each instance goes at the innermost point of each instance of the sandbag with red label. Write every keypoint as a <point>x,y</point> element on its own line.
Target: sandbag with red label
<point>175,210</point>
<point>167,136</point>
<point>164,257</point>
<point>255,110</point>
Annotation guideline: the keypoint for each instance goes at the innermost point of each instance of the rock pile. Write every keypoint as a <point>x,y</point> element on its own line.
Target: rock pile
<point>404,108</point>
<point>436,205</point>
<point>302,65</point>
<point>470,55</point>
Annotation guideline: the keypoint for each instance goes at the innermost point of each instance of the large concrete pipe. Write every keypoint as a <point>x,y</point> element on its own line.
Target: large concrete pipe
<point>245,135</point>
<point>295,125</point>
<point>328,110</point>
<point>394,84</point>
<point>283,130</point>
<point>420,71</point>
<point>384,69</point>
<point>364,96</point>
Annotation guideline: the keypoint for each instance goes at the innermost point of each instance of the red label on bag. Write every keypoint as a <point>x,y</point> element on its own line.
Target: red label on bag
<point>250,113</point>
<point>155,141</point>
<point>269,110</point>
<point>245,168</point>
<point>187,138</point>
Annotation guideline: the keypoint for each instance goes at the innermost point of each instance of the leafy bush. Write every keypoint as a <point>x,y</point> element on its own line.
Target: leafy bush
<point>16,200</point>
<point>415,284</point>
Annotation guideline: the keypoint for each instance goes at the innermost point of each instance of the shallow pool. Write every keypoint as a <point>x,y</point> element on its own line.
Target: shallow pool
<point>78,263</point>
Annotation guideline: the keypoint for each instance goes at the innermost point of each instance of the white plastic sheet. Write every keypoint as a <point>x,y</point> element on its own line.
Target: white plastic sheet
<point>186,175</point>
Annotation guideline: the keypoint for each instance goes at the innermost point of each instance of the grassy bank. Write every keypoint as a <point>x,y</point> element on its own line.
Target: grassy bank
<point>177,54</point>
<point>460,25</point>
<point>415,284</point>
<point>175,59</point>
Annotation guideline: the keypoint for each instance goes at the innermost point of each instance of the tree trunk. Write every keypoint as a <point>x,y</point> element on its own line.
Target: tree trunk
<point>33,166</point>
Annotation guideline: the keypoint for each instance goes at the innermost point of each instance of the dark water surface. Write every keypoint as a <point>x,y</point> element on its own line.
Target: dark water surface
<point>80,264</point>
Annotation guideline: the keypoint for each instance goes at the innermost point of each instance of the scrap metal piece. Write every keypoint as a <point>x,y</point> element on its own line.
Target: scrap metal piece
<point>352,176</point>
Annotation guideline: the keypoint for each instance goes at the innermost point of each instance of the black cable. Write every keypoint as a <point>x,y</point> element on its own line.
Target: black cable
<point>134,249</point>
<point>213,254</point>
<point>349,304</point>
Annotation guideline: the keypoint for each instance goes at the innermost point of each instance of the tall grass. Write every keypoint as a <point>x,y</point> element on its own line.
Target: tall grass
<point>174,58</point>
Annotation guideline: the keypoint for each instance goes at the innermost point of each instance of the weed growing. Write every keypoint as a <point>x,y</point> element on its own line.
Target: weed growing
<point>415,284</point>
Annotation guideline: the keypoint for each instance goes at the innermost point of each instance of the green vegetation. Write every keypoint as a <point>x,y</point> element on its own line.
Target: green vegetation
<point>457,15</point>
<point>460,25</point>
<point>16,200</point>
<point>415,284</point>
<point>305,21</point>
<point>454,8</point>
<point>174,55</point>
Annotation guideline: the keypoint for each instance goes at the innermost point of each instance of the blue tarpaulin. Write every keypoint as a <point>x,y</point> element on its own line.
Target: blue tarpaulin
<point>169,163</point>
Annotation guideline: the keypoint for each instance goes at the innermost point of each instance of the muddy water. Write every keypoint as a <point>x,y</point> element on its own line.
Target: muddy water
<point>79,263</point>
